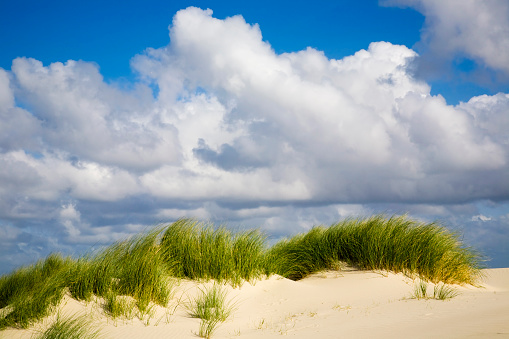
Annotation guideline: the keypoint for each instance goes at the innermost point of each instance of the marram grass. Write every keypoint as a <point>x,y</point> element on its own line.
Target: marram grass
<point>397,244</point>
<point>76,327</point>
<point>211,307</point>
<point>130,268</point>
<point>198,251</point>
<point>30,293</point>
<point>142,266</point>
<point>441,291</point>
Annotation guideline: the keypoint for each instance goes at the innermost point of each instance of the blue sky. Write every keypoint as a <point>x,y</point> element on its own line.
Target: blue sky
<point>116,116</point>
<point>110,33</point>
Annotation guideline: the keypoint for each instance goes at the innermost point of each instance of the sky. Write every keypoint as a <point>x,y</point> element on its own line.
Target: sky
<point>116,116</point>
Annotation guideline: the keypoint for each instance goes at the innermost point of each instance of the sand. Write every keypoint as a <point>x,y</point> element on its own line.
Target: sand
<point>343,304</point>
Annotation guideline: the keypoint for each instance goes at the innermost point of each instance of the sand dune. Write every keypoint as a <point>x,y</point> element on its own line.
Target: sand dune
<point>344,304</point>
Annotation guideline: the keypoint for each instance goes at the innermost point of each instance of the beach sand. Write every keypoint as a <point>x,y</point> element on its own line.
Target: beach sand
<point>337,304</point>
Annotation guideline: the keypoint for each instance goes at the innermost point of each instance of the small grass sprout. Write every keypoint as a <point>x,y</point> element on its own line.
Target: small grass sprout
<point>441,291</point>
<point>339,307</point>
<point>444,292</point>
<point>420,290</point>
<point>262,324</point>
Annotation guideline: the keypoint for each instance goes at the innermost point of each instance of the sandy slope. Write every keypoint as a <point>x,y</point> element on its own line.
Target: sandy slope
<point>346,304</point>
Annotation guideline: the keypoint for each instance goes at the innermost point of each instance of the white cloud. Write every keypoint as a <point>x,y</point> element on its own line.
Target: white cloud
<point>176,213</point>
<point>70,218</point>
<point>212,183</point>
<point>490,115</point>
<point>357,129</point>
<point>480,217</point>
<point>69,212</point>
<point>8,233</point>
<point>17,125</point>
<point>478,29</point>
<point>49,177</point>
<point>234,120</point>
<point>6,95</point>
<point>91,120</point>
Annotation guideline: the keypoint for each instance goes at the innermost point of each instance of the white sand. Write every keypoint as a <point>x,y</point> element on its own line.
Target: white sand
<point>346,304</point>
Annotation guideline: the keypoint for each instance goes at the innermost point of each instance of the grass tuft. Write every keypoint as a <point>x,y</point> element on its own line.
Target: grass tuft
<point>198,251</point>
<point>119,306</point>
<point>420,290</point>
<point>444,292</point>
<point>211,307</point>
<point>441,291</point>
<point>70,328</point>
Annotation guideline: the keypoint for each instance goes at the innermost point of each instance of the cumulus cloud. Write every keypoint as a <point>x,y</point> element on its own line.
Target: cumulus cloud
<point>488,113</point>
<point>219,126</point>
<point>90,120</point>
<point>18,126</point>
<point>361,128</point>
<point>476,29</point>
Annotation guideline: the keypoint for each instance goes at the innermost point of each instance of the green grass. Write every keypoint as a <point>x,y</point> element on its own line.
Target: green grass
<point>139,270</point>
<point>441,291</point>
<point>119,306</point>
<point>397,244</point>
<point>31,292</point>
<point>142,267</point>
<point>211,304</point>
<point>130,268</point>
<point>420,290</point>
<point>211,307</point>
<point>444,292</point>
<point>198,251</point>
<point>70,328</point>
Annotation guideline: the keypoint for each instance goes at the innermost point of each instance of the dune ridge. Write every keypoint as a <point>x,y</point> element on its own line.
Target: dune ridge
<point>329,304</point>
<point>166,274</point>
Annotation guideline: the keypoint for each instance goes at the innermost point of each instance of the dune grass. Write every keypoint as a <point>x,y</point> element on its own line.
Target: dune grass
<point>397,244</point>
<point>211,307</point>
<point>441,291</point>
<point>198,251</point>
<point>130,268</point>
<point>142,266</point>
<point>31,292</point>
<point>71,328</point>
<point>119,306</point>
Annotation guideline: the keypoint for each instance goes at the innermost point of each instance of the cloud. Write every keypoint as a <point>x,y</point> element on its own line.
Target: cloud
<point>357,129</point>
<point>476,29</point>
<point>488,115</point>
<point>6,95</point>
<point>69,217</point>
<point>90,120</point>
<point>219,126</point>
<point>480,217</point>
<point>17,125</point>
